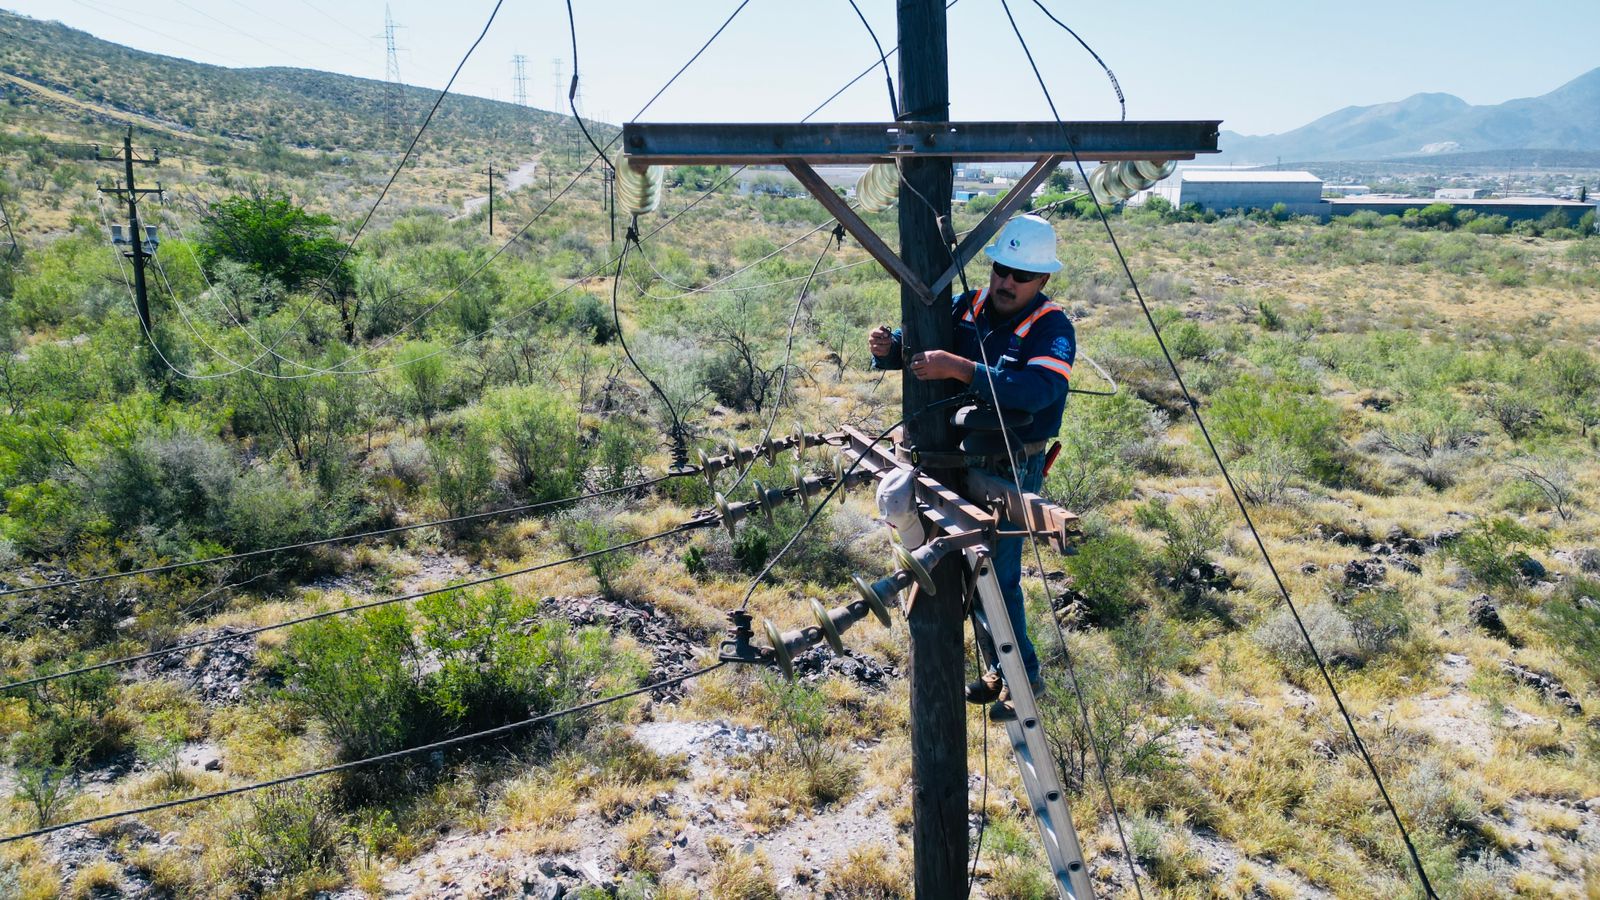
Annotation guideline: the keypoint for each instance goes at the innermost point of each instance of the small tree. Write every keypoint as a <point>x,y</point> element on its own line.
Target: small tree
<point>277,238</point>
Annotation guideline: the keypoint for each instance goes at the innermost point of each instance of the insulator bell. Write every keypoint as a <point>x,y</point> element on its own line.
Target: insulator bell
<point>639,192</point>
<point>878,188</point>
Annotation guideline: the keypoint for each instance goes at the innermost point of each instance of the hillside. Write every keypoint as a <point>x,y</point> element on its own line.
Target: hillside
<point>1567,118</point>
<point>1410,407</point>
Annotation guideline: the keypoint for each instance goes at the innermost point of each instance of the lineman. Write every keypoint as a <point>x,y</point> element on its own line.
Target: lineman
<point>1029,346</point>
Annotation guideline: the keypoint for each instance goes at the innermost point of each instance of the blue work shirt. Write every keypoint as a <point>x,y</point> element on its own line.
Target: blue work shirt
<point>1030,357</point>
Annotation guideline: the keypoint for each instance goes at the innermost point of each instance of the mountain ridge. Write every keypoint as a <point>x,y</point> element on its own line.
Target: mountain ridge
<point>1566,118</point>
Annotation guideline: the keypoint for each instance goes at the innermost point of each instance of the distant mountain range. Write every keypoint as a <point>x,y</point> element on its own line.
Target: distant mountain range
<point>1425,125</point>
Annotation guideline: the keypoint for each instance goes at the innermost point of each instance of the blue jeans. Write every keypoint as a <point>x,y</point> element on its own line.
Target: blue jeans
<point>1007,563</point>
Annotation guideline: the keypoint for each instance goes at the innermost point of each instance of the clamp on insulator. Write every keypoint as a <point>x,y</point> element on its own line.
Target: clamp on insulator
<point>736,646</point>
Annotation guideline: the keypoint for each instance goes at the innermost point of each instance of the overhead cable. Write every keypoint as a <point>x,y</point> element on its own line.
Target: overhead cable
<point>703,522</point>
<point>323,542</point>
<point>367,761</point>
<point>1227,477</point>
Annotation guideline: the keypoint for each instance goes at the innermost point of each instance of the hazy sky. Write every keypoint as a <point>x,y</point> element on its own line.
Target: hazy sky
<point>1260,66</point>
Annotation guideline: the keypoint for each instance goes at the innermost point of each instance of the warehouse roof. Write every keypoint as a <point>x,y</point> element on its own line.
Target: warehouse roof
<point>1247,176</point>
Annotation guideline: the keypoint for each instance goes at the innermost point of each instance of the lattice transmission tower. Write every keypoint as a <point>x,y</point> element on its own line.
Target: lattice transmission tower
<point>394,114</point>
<point>519,79</point>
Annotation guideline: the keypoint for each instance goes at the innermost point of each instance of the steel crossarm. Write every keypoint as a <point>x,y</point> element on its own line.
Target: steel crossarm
<point>1035,762</point>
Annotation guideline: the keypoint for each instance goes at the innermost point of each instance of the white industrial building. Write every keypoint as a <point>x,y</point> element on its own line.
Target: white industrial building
<point>1221,190</point>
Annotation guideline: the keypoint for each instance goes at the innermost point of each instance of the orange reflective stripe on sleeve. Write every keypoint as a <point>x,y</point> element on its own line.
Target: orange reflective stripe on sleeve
<point>977,305</point>
<point>1027,324</point>
<point>1059,366</point>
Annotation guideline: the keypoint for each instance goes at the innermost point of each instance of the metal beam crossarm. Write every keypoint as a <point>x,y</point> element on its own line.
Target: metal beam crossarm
<point>843,143</point>
<point>858,229</point>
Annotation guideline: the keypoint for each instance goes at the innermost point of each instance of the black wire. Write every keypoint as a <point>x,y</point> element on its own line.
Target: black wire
<point>883,59</point>
<point>983,801</point>
<point>572,93</point>
<point>1227,477</point>
<point>788,354</point>
<point>261,629</point>
<point>1066,654</point>
<point>1115,86</point>
<point>681,70</point>
<point>384,757</point>
<point>680,452</point>
<point>817,510</point>
<point>320,542</point>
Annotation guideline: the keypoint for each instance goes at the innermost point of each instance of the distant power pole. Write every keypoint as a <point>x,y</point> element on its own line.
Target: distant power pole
<point>141,244</point>
<point>14,249</point>
<point>491,199</point>
<point>394,105</point>
<point>519,79</point>
<point>557,82</point>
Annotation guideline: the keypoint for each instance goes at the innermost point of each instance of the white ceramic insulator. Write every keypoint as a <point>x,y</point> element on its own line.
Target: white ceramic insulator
<point>878,188</point>
<point>897,507</point>
<point>639,192</point>
<point>1117,181</point>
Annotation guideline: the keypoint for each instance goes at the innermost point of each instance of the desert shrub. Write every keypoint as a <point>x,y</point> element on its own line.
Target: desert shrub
<point>488,659</point>
<point>536,429</point>
<point>288,844</point>
<point>1130,736</point>
<point>1493,550</point>
<point>1266,474</point>
<point>356,675</point>
<point>620,451</point>
<point>1378,620</point>
<point>1431,441</point>
<point>463,470</point>
<point>1191,531</point>
<point>310,419</point>
<point>1251,414</point>
<point>590,528</point>
<point>1488,225</point>
<point>1570,619</point>
<point>1517,411</point>
<point>176,489</point>
<point>1100,449</point>
<point>1189,340</point>
<point>1574,374</point>
<point>421,372</point>
<point>797,716</point>
<point>1105,571</point>
<point>1329,629</point>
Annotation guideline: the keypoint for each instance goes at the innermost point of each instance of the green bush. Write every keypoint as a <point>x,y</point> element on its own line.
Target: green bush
<point>1192,531</point>
<point>1106,571</point>
<point>288,845</point>
<point>1493,550</point>
<point>463,470</point>
<point>1100,449</point>
<point>797,716</point>
<point>591,528</point>
<point>537,431</point>
<point>464,661</point>
<point>1570,619</point>
<point>1329,629</point>
<point>358,676</point>
<point>1253,413</point>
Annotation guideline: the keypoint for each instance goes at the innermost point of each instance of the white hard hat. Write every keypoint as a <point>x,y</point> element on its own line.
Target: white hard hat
<point>1027,243</point>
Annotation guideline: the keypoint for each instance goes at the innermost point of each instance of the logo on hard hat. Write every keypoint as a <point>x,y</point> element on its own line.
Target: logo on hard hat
<point>1014,243</point>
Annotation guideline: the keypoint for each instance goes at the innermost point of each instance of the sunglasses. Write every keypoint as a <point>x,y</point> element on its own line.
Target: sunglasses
<point>1016,275</point>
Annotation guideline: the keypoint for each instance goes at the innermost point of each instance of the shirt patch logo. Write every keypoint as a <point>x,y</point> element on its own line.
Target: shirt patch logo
<point>1061,348</point>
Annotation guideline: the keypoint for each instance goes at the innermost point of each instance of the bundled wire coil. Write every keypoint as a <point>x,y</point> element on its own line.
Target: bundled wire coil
<point>878,188</point>
<point>639,192</point>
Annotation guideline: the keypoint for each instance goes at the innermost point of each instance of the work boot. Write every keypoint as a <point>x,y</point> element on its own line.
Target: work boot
<point>1004,710</point>
<point>986,689</point>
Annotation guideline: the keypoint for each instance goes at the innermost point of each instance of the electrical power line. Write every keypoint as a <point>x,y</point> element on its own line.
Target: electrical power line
<point>323,542</point>
<point>691,525</point>
<point>1227,477</point>
<point>383,757</point>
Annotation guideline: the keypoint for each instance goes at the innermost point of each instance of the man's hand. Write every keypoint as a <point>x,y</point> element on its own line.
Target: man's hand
<point>881,341</point>
<point>933,365</point>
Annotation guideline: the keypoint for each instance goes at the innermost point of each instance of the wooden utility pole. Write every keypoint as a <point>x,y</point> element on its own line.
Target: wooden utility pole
<point>131,194</point>
<point>491,199</point>
<point>938,716</point>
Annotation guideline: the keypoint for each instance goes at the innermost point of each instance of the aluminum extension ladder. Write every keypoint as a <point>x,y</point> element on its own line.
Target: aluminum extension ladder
<point>1034,759</point>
